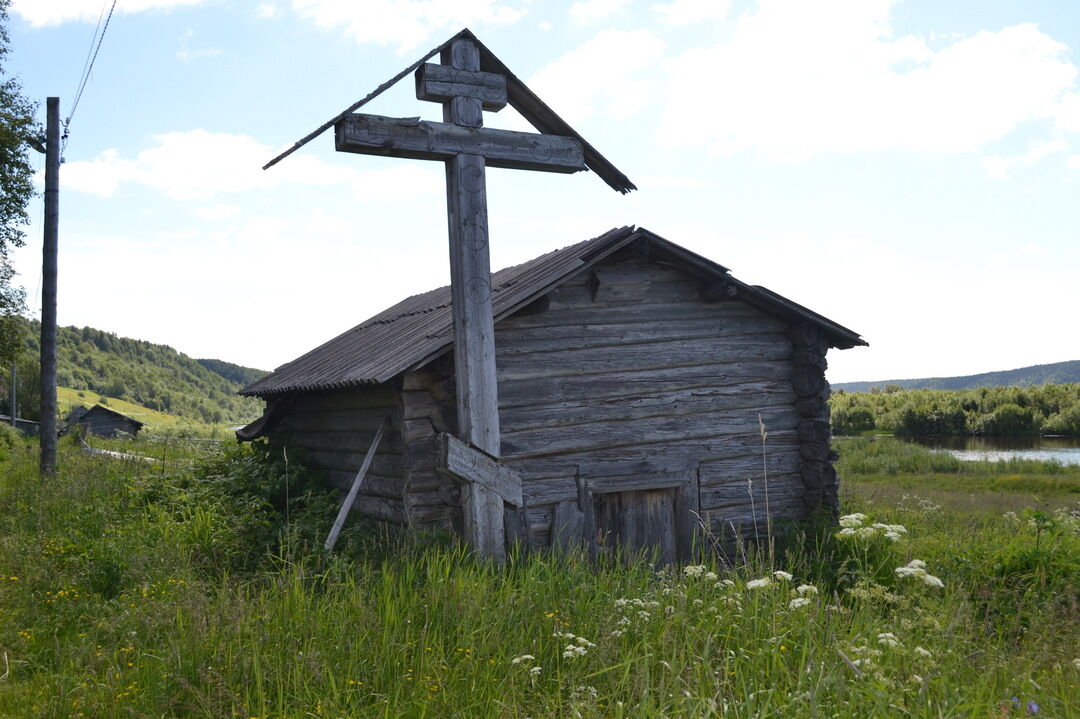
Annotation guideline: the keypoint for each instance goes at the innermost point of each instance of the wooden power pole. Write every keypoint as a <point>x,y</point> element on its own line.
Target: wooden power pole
<point>48,287</point>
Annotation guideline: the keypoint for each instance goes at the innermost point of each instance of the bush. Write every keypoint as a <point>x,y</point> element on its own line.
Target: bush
<point>852,420</point>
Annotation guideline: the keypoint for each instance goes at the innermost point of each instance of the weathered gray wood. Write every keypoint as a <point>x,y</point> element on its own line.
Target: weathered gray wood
<point>745,399</point>
<point>725,469</point>
<point>567,526</point>
<point>425,140</point>
<point>657,355</point>
<point>374,484</point>
<point>439,83</point>
<point>610,284</point>
<point>472,466</point>
<point>689,528</point>
<point>632,483</point>
<point>526,390</point>
<point>346,506</point>
<point>577,311</point>
<point>343,441</point>
<point>385,465</point>
<point>381,508</point>
<point>334,420</point>
<point>611,435</point>
<point>382,396</point>
<point>599,332</point>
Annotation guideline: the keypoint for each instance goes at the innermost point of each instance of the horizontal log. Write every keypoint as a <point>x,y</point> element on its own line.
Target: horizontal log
<point>636,483</point>
<point>649,356</point>
<point>441,83</point>
<point>549,491</point>
<point>742,398</point>
<point>526,391</point>
<point>582,310</point>
<point>344,441</point>
<point>414,430</point>
<point>373,484</point>
<point>612,434</point>
<point>780,488</point>
<point>510,339</point>
<point>381,508</point>
<point>423,140</point>
<point>679,452</point>
<point>728,469</point>
<point>471,465</point>
<point>389,465</point>
<point>375,396</point>
<point>338,420</point>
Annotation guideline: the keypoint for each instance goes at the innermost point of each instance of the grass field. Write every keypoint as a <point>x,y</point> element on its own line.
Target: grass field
<point>157,423</point>
<point>193,589</point>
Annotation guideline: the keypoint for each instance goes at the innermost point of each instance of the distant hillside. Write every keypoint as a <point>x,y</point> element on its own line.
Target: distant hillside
<point>243,376</point>
<point>154,376</point>
<point>1056,373</point>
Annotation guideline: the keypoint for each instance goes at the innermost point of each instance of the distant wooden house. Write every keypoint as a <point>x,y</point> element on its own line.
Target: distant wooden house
<point>102,421</point>
<point>635,380</point>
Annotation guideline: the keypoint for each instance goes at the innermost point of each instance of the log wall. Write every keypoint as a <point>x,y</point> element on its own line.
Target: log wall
<point>628,372</point>
<point>336,428</point>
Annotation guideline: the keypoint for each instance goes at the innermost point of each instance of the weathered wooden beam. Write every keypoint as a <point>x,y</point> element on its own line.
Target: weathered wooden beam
<point>439,83</point>
<point>351,497</point>
<point>424,140</point>
<point>473,466</point>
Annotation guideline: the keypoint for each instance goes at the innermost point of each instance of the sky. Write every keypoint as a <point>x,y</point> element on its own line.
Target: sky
<point>908,168</point>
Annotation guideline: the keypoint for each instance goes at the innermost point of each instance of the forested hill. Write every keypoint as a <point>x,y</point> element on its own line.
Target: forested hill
<point>155,376</point>
<point>1056,373</point>
<point>233,372</point>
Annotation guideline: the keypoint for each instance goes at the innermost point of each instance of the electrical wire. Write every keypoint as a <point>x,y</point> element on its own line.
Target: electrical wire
<point>88,68</point>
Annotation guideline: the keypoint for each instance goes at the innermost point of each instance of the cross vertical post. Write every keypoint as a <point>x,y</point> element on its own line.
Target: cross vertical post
<point>474,326</point>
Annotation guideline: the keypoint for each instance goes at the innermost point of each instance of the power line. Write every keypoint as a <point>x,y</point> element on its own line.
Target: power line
<point>88,68</point>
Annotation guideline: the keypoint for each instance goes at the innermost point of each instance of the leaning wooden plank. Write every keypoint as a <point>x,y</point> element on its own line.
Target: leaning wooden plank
<point>348,503</point>
<point>420,139</point>
<point>473,466</point>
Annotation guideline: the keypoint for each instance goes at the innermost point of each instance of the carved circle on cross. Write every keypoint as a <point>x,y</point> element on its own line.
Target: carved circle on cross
<point>478,290</point>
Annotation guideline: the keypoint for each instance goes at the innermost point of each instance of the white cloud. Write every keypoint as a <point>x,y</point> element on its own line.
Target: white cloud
<point>406,23</point>
<point>267,11</point>
<point>200,164</point>
<point>610,70</point>
<point>216,212</point>
<point>997,166</point>
<point>588,11</point>
<point>797,78</point>
<point>685,12</point>
<point>40,13</point>
<point>1073,162</point>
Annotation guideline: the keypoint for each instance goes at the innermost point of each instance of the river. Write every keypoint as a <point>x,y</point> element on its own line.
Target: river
<point>1065,450</point>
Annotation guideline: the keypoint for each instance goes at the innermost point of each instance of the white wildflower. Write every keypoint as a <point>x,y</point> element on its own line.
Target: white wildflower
<point>916,679</point>
<point>758,583</point>
<point>917,563</point>
<point>865,532</point>
<point>573,651</point>
<point>919,651</point>
<point>846,532</point>
<point>643,615</point>
<point>535,671</point>
<point>711,576</point>
<point>852,520</point>
<point>1076,663</point>
<point>694,570</point>
<point>522,659</point>
<point>806,590</point>
<point>781,575</point>
<point>584,694</point>
<point>727,582</point>
<point>932,581</point>
<point>888,639</point>
<point>798,602</point>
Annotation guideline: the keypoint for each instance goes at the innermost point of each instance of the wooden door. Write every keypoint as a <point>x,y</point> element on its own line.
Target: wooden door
<point>638,522</point>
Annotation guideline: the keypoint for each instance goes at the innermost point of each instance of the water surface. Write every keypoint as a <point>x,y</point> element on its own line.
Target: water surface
<point>1065,450</point>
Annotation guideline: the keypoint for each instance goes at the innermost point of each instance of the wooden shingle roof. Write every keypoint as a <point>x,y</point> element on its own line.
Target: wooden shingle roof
<point>416,330</point>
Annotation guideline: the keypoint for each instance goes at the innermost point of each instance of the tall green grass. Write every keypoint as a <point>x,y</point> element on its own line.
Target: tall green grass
<point>135,590</point>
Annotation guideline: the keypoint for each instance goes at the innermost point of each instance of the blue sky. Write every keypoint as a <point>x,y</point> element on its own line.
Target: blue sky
<point>908,168</point>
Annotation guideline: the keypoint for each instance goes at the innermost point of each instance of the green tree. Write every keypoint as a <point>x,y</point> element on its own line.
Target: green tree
<point>17,127</point>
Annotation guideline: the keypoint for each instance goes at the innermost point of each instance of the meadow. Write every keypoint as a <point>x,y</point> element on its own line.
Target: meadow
<point>197,587</point>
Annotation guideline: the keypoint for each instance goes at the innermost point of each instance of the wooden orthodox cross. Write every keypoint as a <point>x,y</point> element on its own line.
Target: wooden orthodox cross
<point>467,148</point>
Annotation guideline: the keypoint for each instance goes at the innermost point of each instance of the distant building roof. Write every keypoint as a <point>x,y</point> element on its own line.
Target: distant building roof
<point>416,330</point>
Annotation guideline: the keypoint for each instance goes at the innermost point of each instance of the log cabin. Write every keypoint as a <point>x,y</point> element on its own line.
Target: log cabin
<point>647,399</point>
<point>102,421</point>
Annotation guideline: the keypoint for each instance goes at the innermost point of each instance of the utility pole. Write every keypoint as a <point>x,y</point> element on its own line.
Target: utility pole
<point>48,287</point>
<point>13,405</point>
